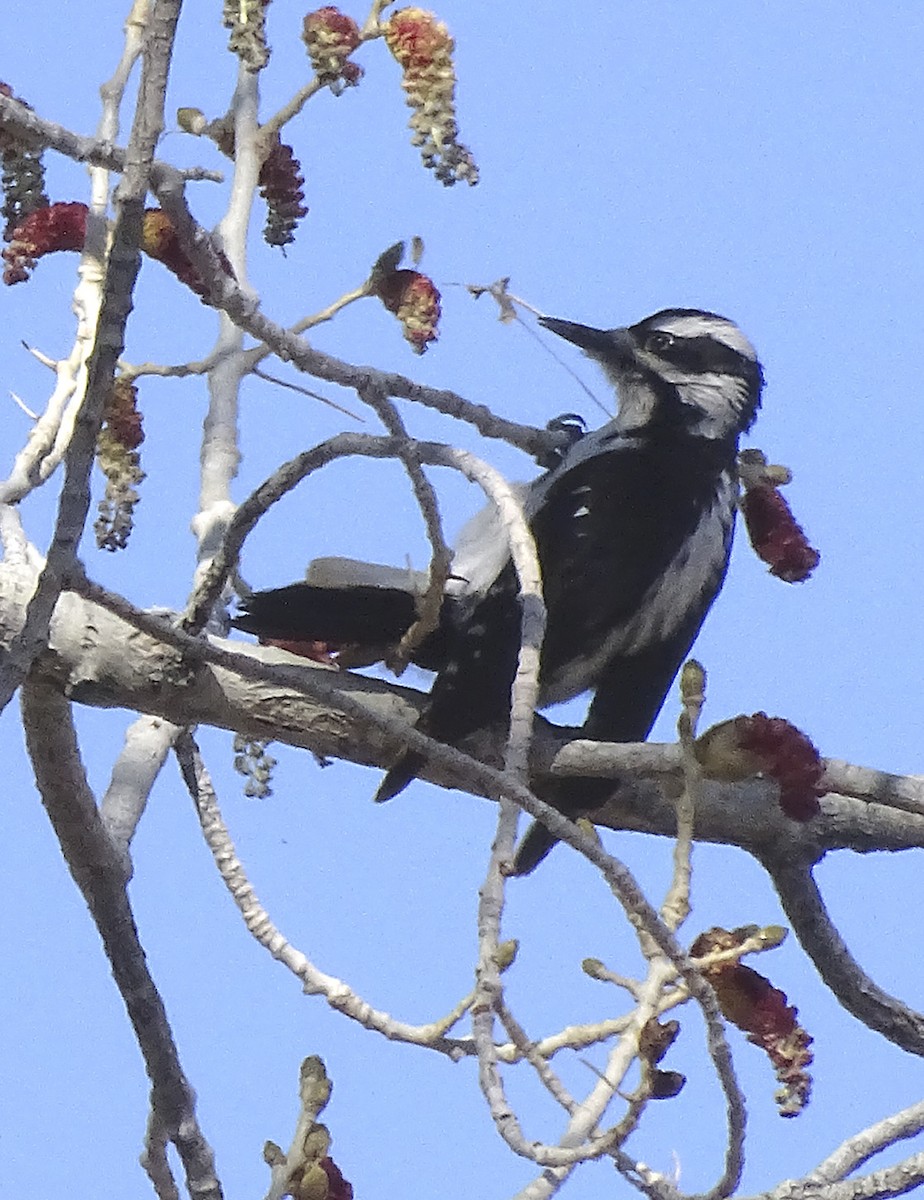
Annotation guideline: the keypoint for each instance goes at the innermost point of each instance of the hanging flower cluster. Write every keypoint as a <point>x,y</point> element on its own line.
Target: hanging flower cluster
<point>410,295</point>
<point>330,38</point>
<point>159,240</point>
<point>61,226</point>
<point>117,454</point>
<point>280,180</point>
<point>282,187</point>
<point>255,764</point>
<point>775,534</point>
<point>415,301</point>
<point>755,1006</point>
<point>746,746</point>
<point>423,48</point>
<point>247,21</point>
<point>23,175</point>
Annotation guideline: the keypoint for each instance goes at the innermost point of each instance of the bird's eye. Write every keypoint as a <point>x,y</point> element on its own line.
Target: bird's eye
<point>658,341</point>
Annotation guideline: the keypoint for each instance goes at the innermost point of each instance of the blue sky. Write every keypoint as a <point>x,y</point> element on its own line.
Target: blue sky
<point>763,161</point>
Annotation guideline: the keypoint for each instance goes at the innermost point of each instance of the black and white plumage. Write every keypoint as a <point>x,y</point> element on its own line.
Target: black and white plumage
<point>633,529</point>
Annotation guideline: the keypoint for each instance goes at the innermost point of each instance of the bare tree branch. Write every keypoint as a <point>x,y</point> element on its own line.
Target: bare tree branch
<point>147,744</point>
<point>430,604</point>
<point>122,267</point>
<point>98,871</point>
<point>226,295</point>
<point>88,658</point>
<point>28,126</point>
<point>824,945</point>
<point>898,1180</point>
<point>338,994</point>
<point>863,1145</point>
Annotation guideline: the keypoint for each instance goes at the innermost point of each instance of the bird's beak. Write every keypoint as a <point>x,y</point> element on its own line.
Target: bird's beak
<point>598,343</point>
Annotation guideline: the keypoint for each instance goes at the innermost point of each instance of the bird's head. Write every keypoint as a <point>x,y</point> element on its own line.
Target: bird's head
<point>680,369</point>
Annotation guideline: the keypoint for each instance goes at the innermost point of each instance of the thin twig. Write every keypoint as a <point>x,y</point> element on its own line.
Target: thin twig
<point>430,604</point>
<point>529,1050</point>
<point>225,294</point>
<point>315,982</point>
<point>303,391</point>
<point>99,151</point>
<point>676,906</point>
<point>861,1147</point>
<point>291,108</point>
<point>819,937</point>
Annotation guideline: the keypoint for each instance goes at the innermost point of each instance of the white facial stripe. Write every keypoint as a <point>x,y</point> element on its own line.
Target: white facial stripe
<point>709,391</point>
<point>715,327</point>
<point>718,401</point>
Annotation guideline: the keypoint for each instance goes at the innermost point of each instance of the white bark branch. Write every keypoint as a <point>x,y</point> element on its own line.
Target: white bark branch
<point>98,870</point>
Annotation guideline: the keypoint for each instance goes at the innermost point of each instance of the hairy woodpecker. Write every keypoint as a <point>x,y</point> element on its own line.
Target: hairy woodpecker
<point>633,528</point>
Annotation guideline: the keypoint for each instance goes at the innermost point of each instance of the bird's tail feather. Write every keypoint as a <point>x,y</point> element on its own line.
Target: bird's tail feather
<point>534,846</point>
<point>399,776</point>
<point>572,798</point>
<point>360,615</point>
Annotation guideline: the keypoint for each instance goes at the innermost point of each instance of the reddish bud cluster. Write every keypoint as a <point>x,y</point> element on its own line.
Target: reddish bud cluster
<point>777,537</point>
<point>338,1188</point>
<point>63,226</point>
<point>755,1006</point>
<point>159,240</point>
<point>787,755</point>
<point>423,47</point>
<point>330,38</point>
<point>60,226</point>
<point>745,746</point>
<point>418,40</point>
<point>117,455</point>
<point>415,301</point>
<point>281,186</point>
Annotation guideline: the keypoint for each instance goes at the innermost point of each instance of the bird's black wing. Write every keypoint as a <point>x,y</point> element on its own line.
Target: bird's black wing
<point>682,528</point>
<point>610,531</point>
<point>606,530</point>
